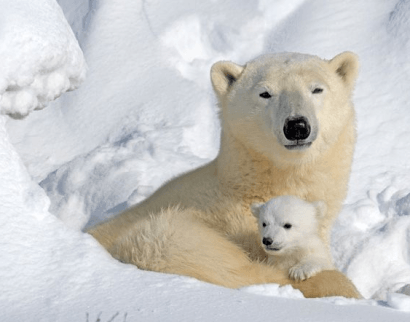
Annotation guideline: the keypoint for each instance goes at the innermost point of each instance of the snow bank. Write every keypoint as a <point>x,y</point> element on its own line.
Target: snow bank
<point>39,56</point>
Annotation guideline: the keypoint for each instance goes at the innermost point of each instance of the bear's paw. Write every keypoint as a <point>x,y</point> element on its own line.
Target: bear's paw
<point>304,270</point>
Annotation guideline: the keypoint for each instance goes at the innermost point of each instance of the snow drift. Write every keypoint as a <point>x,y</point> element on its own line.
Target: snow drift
<point>38,61</point>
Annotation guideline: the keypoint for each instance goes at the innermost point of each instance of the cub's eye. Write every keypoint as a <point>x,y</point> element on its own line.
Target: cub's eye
<point>287,226</point>
<point>263,225</point>
<point>265,95</point>
<point>317,90</point>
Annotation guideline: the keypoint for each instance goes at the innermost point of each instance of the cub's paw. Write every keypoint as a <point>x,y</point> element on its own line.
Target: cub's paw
<point>304,270</point>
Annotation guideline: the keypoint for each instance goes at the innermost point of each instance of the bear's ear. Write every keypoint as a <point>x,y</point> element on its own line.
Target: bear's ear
<point>223,75</point>
<point>346,66</point>
<point>321,208</point>
<point>256,208</point>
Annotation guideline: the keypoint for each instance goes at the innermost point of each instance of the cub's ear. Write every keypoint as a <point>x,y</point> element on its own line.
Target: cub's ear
<point>346,66</point>
<point>321,208</point>
<point>223,75</point>
<point>256,208</point>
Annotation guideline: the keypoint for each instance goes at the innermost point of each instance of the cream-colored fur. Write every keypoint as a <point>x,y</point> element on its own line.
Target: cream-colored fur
<point>199,224</point>
<point>289,235</point>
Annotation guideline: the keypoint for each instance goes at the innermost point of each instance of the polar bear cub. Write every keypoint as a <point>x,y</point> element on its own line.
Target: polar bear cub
<point>288,229</point>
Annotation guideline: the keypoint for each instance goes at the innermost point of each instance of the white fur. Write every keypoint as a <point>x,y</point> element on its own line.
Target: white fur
<point>299,248</point>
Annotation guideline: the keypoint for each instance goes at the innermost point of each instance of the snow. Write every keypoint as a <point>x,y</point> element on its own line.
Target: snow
<point>145,113</point>
<point>286,291</point>
<point>38,61</point>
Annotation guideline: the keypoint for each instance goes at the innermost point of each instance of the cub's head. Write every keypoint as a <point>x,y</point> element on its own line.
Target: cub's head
<point>289,107</point>
<point>287,222</point>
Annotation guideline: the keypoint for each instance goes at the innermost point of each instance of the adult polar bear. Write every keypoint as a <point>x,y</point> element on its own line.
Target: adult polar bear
<point>288,128</point>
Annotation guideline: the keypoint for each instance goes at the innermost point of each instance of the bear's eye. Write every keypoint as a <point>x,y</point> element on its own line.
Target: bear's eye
<point>263,224</point>
<point>265,95</point>
<point>317,90</point>
<point>287,226</point>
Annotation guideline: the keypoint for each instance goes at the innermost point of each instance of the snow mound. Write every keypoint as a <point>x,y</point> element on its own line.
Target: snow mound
<point>286,291</point>
<point>376,255</point>
<point>399,301</point>
<point>39,56</point>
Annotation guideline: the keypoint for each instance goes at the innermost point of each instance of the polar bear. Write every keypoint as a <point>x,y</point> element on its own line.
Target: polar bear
<point>288,128</point>
<point>288,228</point>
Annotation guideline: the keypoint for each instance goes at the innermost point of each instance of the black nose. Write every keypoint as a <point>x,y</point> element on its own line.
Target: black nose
<point>296,128</point>
<point>267,241</point>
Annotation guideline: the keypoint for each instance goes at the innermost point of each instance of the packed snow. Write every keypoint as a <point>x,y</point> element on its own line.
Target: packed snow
<point>146,113</point>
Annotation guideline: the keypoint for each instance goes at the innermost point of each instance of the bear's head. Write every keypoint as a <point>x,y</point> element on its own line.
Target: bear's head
<point>287,223</point>
<point>289,107</point>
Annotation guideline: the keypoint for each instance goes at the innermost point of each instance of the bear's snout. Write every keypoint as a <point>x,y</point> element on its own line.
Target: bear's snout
<point>296,128</point>
<point>267,241</point>
<point>270,245</point>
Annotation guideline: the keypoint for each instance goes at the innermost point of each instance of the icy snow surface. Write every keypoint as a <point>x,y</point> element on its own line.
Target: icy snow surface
<point>146,113</point>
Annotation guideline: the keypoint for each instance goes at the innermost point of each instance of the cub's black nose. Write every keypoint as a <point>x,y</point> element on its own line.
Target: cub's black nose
<point>267,241</point>
<point>296,128</point>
